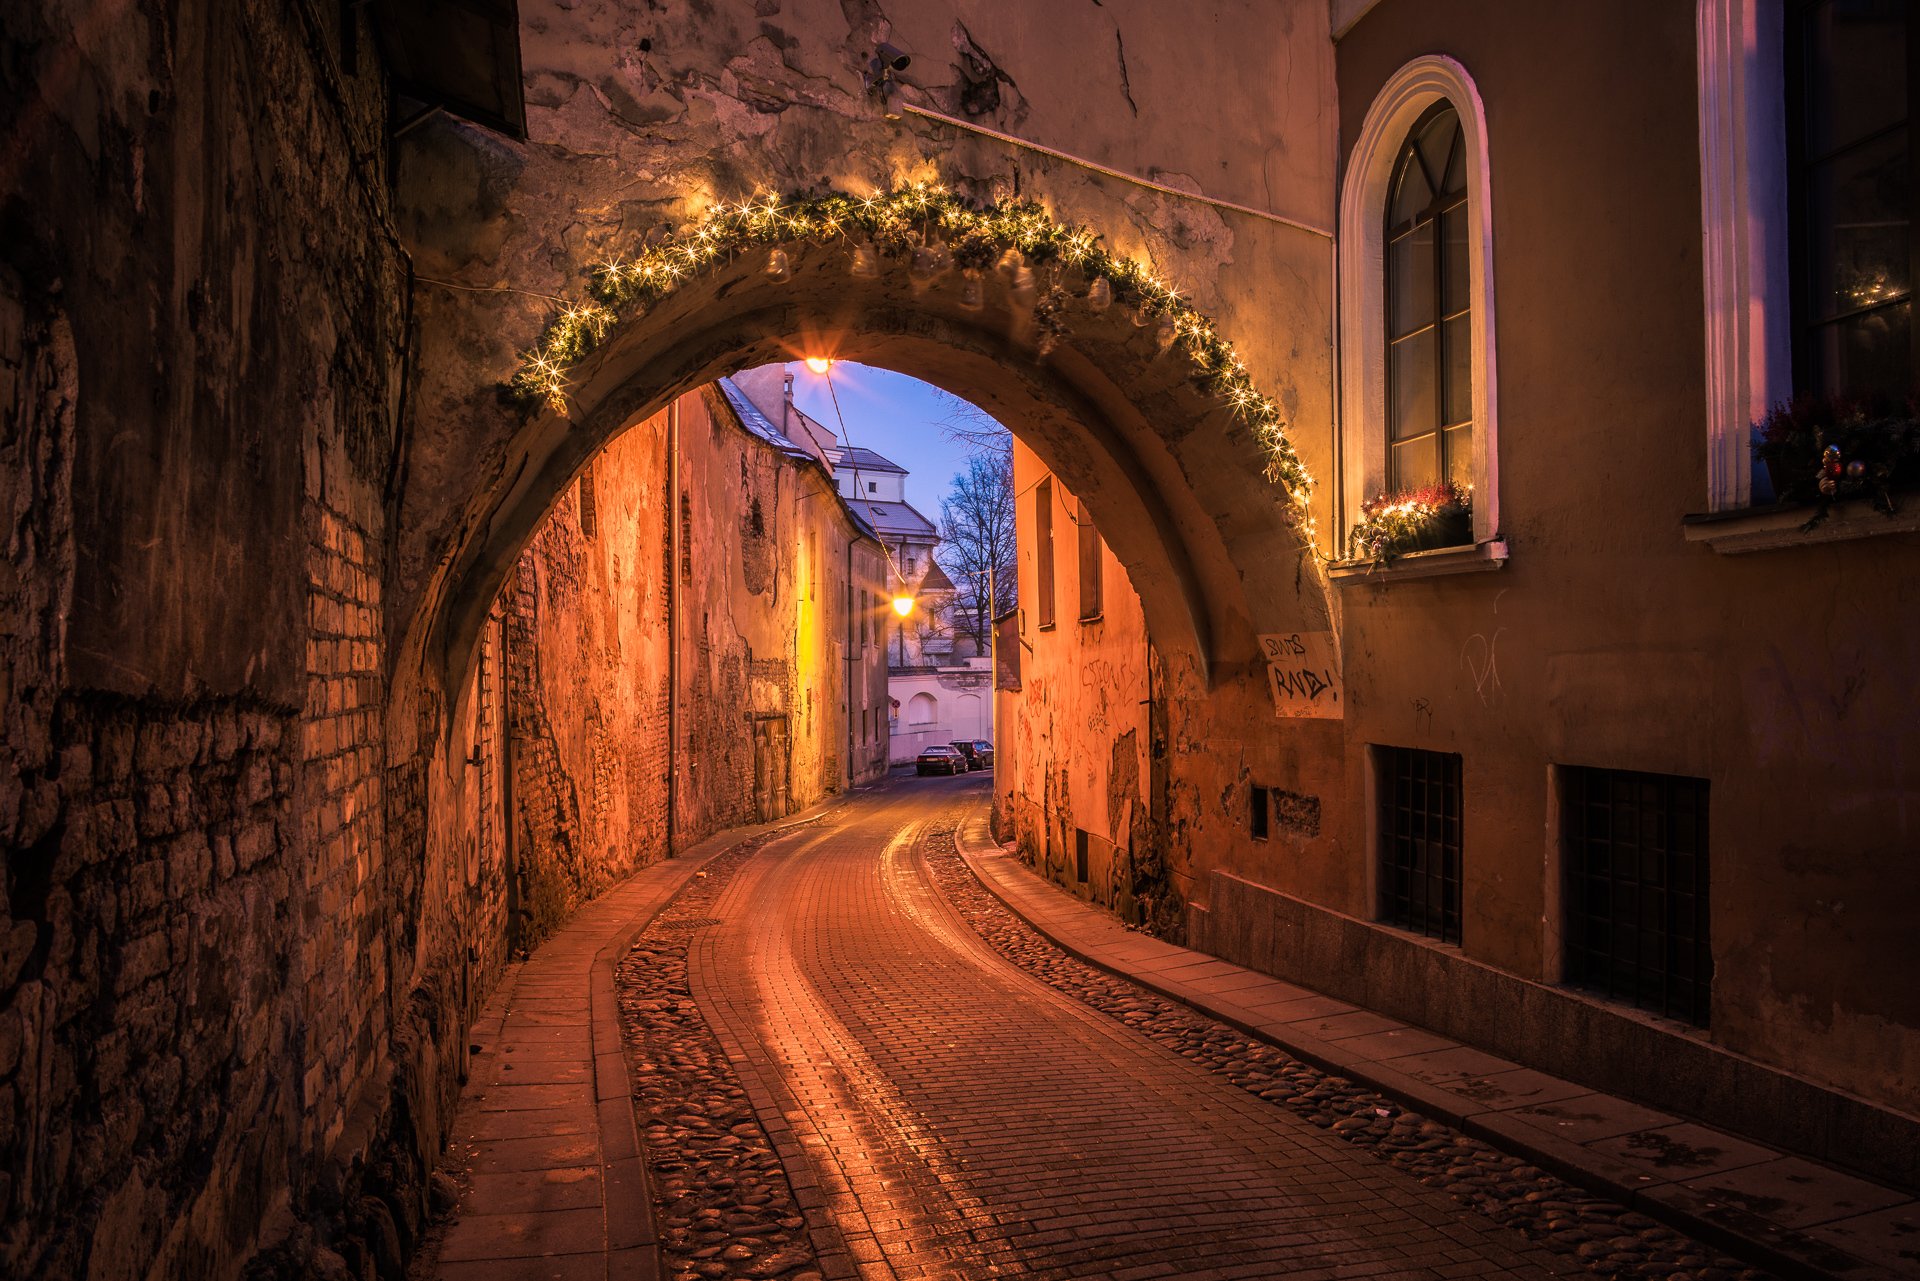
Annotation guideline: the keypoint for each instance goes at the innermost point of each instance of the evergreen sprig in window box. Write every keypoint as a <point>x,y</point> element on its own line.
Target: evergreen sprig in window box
<point>1823,450</point>
<point>1418,520</point>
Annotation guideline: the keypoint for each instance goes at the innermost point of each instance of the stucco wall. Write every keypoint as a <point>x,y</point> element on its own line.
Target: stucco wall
<point>1080,731</point>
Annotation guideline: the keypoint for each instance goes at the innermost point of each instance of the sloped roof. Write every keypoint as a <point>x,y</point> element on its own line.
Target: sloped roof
<point>936,579</point>
<point>864,460</point>
<point>899,520</point>
<point>758,423</point>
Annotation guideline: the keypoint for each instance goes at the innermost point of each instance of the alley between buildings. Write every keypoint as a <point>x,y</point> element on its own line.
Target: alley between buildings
<point>849,1060</point>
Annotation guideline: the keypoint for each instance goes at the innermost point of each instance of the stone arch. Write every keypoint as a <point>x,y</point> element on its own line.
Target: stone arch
<point>923,709</point>
<point>1175,478</point>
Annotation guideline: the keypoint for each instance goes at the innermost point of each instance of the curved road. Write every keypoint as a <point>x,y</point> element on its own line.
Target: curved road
<point>960,1119</point>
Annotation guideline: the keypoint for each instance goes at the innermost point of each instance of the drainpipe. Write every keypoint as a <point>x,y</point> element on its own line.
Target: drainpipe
<point>851,666</point>
<point>673,628</point>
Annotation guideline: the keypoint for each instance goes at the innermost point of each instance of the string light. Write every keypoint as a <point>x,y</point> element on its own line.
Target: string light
<point>895,225</point>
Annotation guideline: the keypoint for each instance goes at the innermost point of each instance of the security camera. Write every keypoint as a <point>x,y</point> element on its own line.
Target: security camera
<point>894,59</point>
<point>882,77</point>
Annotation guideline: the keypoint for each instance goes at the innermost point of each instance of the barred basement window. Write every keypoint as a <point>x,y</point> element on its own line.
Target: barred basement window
<point>1419,799</point>
<point>1634,853</point>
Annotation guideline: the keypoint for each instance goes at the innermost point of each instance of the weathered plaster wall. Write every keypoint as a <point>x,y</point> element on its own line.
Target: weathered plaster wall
<point>1080,733</point>
<point>764,553</point>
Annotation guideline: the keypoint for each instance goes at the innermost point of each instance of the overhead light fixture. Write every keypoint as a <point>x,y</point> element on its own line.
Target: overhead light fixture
<point>819,364</point>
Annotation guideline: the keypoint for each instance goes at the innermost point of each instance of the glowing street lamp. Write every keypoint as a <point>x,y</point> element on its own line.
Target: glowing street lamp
<point>903,605</point>
<point>819,364</point>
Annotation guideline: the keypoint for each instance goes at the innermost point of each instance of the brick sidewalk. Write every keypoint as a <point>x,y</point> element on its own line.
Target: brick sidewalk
<point>1782,1212</point>
<point>946,1115</point>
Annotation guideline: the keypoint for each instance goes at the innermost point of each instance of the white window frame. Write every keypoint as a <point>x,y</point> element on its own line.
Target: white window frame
<point>1743,233</point>
<point>1363,321</point>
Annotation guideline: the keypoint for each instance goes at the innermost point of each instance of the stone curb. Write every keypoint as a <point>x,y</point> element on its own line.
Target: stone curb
<point>632,1232</point>
<point>1788,1254</point>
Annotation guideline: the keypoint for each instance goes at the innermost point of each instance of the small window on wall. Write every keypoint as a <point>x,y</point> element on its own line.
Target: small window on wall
<point>1418,802</point>
<point>589,512</point>
<point>1850,145</point>
<point>1258,819</point>
<point>1090,585</point>
<point>1043,548</point>
<point>1429,320</point>
<point>1634,859</point>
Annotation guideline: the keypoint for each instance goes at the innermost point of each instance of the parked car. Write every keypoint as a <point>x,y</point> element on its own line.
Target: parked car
<point>978,751</point>
<point>940,759</point>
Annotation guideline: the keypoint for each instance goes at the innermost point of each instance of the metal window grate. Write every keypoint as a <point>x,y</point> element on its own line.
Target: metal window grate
<point>1419,826</point>
<point>1634,849</point>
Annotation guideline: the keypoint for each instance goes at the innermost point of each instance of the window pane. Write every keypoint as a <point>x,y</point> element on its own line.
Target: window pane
<point>1857,227</point>
<point>1411,193</point>
<point>1455,272</point>
<point>1456,180</point>
<point>1457,337</point>
<point>1867,354</point>
<point>1856,71</point>
<point>1414,464</point>
<point>1458,445</point>
<point>1410,277</point>
<point>1410,375</point>
<point>1437,143</point>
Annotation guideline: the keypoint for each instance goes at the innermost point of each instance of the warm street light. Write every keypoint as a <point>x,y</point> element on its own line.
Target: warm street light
<point>903,605</point>
<point>819,364</point>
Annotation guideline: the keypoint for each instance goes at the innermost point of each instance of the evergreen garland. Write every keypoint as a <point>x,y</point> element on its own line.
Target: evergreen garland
<point>895,223</point>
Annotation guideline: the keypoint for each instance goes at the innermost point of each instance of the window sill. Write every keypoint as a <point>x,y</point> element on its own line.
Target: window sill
<point>1759,529</point>
<point>1473,559</point>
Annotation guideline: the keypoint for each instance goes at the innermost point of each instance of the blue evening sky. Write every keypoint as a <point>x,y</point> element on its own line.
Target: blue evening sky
<point>893,415</point>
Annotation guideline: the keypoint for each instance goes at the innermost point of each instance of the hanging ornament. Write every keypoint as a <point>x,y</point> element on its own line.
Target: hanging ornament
<point>1099,294</point>
<point>866,264</point>
<point>973,292</point>
<point>1829,487</point>
<point>778,268</point>
<point>1856,470</point>
<point>1165,333</point>
<point>1830,460</point>
<point>1142,317</point>
<point>929,261</point>
<point>1010,261</point>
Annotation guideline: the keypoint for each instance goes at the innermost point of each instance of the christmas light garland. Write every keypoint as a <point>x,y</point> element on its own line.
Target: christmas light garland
<point>929,230</point>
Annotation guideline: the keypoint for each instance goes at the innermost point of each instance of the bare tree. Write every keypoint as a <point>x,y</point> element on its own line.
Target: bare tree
<point>977,548</point>
<point>969,425</point>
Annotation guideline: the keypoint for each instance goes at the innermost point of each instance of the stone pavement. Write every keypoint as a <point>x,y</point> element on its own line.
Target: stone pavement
<point>1786,1213</point>
<point>943,1114</point>
<point>556,1181</point>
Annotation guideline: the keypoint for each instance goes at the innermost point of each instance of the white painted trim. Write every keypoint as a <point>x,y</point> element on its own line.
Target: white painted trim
<point>1743,233</point>
<point>1767,528</point>
<point>1363,324</point>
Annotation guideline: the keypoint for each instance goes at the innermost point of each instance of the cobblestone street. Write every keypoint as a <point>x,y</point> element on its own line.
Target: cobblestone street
<point>943,1113</point>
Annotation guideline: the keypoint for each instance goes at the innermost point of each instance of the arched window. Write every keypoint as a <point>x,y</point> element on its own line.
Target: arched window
<point>1419,387</point>
<point>922,709</point>
<point>1429,309</point>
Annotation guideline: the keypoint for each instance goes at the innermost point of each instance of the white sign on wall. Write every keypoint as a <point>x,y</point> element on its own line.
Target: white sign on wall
<point>1304,670</point>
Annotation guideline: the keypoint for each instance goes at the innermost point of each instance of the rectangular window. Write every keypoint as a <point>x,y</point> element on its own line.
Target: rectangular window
<point>1258,818</point>
<point>1090,586</point>
<point>1634,856</point>
<point>1418,811</point>
<point>589,513</point>
<point>1043,547</point>
<point>1849,135</point>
